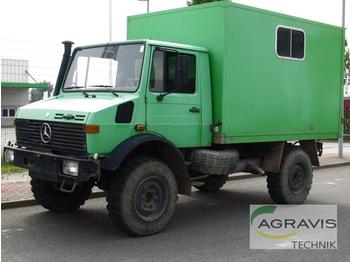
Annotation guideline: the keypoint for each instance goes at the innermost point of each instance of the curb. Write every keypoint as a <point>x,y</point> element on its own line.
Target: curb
<point>332,165</point>
<point>232,178</point>
<point>19,203</point>
<point>33,202</point>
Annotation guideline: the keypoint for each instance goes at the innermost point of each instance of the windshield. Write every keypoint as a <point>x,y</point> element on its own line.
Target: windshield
<point>107,68</point>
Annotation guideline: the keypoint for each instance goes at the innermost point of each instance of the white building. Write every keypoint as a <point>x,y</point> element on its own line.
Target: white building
<point>15,88</point>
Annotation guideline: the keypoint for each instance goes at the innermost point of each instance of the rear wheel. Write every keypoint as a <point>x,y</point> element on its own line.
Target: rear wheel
<point>142,196</point>
<point>50,197</point>
<point>293,183</point>
<point>212,183</point>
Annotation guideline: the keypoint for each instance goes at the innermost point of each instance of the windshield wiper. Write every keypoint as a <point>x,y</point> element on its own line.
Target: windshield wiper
<point>114,93</point>
<point>74,87</point>
<point>85,94</point>
<point>106,86</point>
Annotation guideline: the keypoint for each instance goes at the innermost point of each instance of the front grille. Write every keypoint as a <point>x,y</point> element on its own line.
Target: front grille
<point>60,116</point>
<point>66,139</point>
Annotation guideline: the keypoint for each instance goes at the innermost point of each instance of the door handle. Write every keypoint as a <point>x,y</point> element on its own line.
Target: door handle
<point>194,109</point>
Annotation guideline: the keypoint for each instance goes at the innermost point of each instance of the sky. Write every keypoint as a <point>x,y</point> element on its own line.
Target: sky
<point>34,29</point>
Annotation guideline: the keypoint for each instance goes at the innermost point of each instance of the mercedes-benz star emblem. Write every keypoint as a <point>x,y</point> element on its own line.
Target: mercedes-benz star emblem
<point>46,133</point>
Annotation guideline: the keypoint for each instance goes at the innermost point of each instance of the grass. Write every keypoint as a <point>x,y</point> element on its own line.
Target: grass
<point>9,169</point>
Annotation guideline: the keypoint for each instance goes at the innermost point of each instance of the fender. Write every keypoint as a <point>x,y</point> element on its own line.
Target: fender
<point>164,149</point>
<point>168,153</point>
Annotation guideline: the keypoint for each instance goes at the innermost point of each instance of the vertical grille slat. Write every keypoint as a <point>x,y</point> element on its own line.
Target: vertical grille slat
<point>67,138</point>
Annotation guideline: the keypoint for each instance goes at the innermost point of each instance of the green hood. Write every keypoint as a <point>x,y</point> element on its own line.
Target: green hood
<point>76,109</point>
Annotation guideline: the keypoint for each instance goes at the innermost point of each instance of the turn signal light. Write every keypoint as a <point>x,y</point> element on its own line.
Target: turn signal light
<point>140,127</point>
<point>92,129</point>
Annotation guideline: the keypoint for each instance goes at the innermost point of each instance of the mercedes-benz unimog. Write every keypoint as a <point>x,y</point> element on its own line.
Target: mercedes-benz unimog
<point>194,95</point>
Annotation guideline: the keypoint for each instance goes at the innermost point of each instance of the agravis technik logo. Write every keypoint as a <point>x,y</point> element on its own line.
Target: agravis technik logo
<point>293,226</point>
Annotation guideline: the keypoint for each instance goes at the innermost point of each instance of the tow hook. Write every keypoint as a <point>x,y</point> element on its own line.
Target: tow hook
<point>68,187</point>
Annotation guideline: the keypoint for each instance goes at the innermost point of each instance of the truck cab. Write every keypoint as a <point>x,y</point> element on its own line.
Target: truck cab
<point>113,100</point>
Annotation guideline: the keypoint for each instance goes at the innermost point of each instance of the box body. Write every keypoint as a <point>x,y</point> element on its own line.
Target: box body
<point>257,96</point>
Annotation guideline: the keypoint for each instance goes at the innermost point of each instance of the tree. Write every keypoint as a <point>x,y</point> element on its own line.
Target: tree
<point>346,82</point>
<point>197,2</point>
<point>347,63</point>
<point>37,94</point>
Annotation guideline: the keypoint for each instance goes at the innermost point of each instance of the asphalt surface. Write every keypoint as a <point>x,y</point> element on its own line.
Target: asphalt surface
<point>206,227</point>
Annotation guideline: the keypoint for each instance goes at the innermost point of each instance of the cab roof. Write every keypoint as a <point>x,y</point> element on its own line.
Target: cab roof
<point>152,43</point>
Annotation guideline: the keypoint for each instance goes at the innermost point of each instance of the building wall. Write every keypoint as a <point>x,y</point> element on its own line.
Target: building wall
<point>12,98</point>
<point>14,70</point>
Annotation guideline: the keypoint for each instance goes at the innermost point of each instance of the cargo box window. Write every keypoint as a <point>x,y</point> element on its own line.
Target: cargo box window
<point>173,72</point>
<point>290,43</point>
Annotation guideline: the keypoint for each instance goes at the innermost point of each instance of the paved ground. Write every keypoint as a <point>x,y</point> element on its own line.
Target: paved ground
<point>16,187</point>
<point>206,227</point>
<point>332,148</point>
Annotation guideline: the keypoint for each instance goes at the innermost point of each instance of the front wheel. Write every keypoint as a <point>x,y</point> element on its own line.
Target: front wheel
<point>142,196</point>
<point>50,197</point>
<point>293,183</point>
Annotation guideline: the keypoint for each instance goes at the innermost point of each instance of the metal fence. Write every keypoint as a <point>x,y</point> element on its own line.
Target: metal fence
<point>24,62</point>
<point>347,116</point>
<point>11,99</point>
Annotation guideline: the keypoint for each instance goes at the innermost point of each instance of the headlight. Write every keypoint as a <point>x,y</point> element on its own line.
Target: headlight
<point>70,167</point>
<point>9,155</point>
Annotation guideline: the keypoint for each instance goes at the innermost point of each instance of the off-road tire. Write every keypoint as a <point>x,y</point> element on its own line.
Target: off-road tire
<point>293,183</point>
<point>127,196</point>
<point>50,197</point>
<point>212,183</point>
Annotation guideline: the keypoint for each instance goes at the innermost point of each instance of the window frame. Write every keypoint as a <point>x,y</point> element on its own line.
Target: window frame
<point>291,42</point>
<point>4,110</point>
<point>8,112</point>
<point>169,49</point>
<point>14,112</point>
<point>77,49</point>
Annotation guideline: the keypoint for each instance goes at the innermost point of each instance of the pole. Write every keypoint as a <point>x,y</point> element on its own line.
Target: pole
<point>30,76</point>
<point>110,40</point>
<point>341,138</point>
<point>110,21</point>
<point>147,4</point>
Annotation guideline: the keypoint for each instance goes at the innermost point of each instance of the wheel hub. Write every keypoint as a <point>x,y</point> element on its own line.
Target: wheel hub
<point>151,198</point>
<point>297,179</point>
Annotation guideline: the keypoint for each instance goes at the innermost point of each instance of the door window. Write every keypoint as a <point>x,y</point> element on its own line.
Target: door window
<point>173,72</point>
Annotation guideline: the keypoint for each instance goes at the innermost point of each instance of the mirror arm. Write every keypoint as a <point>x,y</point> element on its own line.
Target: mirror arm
<point>160,97</point>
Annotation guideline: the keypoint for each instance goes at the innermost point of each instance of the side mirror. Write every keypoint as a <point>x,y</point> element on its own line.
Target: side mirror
<point>181,73</point>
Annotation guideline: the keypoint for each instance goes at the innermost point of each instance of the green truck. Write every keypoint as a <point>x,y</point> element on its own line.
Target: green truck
<point>194,95</point>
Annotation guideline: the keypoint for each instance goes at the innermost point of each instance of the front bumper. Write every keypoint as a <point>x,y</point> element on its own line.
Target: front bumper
<point>49,167</point>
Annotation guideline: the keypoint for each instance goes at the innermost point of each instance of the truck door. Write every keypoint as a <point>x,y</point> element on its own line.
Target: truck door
<point>173,107</point>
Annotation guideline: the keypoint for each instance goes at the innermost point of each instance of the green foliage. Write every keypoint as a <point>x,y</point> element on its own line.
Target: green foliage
<point>197,2</point>
<point>347,64</point>
<point>9,169</point>
<point>347,56</point>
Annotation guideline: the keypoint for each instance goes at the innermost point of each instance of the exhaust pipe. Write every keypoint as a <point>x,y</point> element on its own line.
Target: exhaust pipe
<point>64,65</point>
